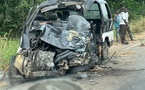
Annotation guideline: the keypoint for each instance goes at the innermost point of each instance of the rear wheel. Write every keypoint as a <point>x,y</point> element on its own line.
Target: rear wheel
<point>105,50</point>
<point>15,77</point>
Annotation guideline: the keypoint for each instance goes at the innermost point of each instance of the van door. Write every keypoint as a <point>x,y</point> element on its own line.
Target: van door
<point>94,14</point>
<point>106,18</point>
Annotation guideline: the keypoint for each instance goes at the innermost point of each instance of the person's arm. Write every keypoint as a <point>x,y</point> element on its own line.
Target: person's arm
<point>118,20</point>
<point>127,16</point>
<point>124,19</point>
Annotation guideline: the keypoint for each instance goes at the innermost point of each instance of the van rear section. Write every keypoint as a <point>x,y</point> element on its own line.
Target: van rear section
<point>99,13</point>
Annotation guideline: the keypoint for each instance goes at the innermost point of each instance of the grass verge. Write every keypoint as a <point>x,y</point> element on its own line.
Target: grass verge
<point>8,47</point>
<point>138,25</point>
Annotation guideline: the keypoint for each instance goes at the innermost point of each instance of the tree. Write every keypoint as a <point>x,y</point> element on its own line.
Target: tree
<point>135,7</point>
<point>13,13</point>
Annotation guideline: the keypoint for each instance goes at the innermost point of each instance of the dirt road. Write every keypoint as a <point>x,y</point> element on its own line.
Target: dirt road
<point>125,71</point>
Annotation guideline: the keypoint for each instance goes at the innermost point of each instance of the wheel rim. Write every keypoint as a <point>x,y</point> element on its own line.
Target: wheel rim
<point>105,51</point>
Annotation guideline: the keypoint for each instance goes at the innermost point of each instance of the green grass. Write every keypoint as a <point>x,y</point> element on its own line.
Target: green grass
<point>8,48</point>
<point>138,25</point>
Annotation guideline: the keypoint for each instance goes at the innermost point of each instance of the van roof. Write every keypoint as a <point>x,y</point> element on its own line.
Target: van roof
<point>53,2</point>
<point>90,2</point>
<point>99,1</point>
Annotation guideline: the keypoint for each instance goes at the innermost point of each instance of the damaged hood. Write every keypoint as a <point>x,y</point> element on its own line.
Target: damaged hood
<point>75,34</point>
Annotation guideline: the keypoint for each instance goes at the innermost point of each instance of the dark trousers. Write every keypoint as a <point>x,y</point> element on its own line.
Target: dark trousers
<point>123,29</point>
<point>129,33</point>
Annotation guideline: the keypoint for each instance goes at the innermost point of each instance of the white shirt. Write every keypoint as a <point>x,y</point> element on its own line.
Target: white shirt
<point>127,15</point>
<point>122,17</point>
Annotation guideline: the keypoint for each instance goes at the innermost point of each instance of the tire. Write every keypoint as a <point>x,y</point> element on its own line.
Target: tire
<point>76,69</point>
<point>105,51</point>
<point>15,77</point>
<point>91,64</point>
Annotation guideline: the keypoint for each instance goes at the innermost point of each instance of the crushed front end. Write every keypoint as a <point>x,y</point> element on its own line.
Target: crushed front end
<point>56,40</point>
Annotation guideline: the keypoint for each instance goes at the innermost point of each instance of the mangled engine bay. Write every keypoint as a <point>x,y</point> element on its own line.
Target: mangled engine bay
<point>56,47</point>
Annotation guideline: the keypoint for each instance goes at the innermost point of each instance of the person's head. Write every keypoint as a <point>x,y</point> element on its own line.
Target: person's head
<point>123,9</point>
<point>117,12</point>
<point>126,10</point>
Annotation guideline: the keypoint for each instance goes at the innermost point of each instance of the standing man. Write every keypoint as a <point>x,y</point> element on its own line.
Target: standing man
<point>128,28</point>
<point>116,24</point>
<point>123,25</point>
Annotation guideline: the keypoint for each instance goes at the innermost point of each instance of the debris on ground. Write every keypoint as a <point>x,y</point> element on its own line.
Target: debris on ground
<point>97,68</point>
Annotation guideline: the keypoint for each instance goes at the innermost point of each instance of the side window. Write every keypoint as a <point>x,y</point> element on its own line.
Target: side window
<point>93,12</point>
<point>105,11</point>
<point>108,11</point>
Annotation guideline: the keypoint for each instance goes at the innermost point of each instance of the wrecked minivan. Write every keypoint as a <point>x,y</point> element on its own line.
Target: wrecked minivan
<point>62,37</point>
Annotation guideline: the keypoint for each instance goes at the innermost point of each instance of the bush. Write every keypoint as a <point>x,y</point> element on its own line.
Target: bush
<point>8,47</point>
<point>137,25</point>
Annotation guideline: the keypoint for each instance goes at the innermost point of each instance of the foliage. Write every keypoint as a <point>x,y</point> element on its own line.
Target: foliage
<point>138,25</point>
<point>13,14</point>
<point>135,7</point>
<point>8,48</point>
